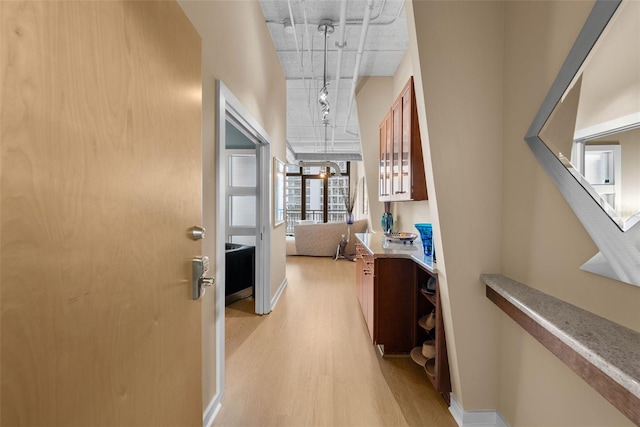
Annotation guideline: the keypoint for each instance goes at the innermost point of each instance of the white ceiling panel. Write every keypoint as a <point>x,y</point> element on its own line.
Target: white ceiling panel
<point>384,48</point>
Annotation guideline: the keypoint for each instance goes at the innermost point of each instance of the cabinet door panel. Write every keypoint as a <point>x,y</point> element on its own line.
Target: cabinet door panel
<point>396,149</point>
<point>402,174</point>
<point>407,135</point>
<point>368,302</point>
<point>384,190</point>
<point>393,298</point>
<point>389,163</point>
<point>359,274</point>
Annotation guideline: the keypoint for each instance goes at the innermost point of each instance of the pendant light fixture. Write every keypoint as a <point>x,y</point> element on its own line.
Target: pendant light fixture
<point>323,97</point>
<point>325,28</point>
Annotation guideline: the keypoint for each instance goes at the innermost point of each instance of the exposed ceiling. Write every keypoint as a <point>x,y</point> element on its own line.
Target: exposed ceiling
<point>381,52</point>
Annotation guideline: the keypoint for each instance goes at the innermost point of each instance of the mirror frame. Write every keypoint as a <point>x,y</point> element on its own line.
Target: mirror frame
<point>619,257</point>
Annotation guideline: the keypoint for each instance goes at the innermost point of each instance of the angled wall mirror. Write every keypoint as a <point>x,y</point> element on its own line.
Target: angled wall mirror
<point>587,136</point>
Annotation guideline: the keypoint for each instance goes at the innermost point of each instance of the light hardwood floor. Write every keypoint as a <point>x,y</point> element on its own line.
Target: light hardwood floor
<point>311,362</point>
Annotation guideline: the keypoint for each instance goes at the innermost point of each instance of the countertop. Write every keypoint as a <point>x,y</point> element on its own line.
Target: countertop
<point>608,346</point>
<point>381,247</point>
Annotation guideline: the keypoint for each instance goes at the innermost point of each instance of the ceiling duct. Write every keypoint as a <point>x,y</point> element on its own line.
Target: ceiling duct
<point>326,164</point>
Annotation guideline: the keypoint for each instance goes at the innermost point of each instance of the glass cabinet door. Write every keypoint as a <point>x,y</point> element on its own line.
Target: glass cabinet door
<point>385,158</point>
<point>405,167</point>
<point>402,175</point>
<point>396,153</point>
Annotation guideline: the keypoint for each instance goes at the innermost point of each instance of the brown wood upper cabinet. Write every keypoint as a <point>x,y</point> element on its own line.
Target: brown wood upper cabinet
<point>401,172</point>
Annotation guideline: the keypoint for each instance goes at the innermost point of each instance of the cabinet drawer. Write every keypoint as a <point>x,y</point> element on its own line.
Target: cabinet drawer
<point>361,251</point>
<point>367,260</point>
<point>367,266</point>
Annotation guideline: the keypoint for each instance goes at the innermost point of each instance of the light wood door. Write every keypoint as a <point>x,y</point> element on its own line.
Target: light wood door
<point>101,178</point>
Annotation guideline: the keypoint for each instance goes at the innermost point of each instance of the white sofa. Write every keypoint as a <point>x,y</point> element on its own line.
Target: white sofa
<point>322,239</point>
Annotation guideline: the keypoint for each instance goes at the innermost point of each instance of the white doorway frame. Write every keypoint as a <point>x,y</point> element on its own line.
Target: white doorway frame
<point>228,105</point>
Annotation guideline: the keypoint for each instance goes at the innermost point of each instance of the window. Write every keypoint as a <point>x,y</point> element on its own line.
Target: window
<point>312,196</point>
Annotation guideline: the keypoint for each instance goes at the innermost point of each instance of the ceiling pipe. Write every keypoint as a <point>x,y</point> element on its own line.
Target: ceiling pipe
<point>313,111</point>
<point>356,69</point>
<point>373,18</point>
<point>301,63</point>
<point>340,44</point>
<point>393,21</point>
<point>359,21</point>
<point>368,20</point>
<point>295,35</point>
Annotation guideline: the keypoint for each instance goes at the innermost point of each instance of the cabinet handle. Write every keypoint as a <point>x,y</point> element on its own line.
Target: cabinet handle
<point>400,192</point>
<point>386,194</point>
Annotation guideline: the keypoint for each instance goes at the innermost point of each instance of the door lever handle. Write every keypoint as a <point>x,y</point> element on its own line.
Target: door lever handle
<point>206,281</point>
<point>203,284</point>
<point>199,268</point>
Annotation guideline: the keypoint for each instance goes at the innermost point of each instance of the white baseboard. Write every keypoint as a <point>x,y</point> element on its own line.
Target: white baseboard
<point>475,418</point>
<point>212,410</point>
<point>276,297</point>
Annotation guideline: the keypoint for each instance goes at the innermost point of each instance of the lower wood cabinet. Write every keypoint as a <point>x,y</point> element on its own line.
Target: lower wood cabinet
<point>393,296</point>
<point>385,288</point>
<point>364,285</point>
<point>392,299</point>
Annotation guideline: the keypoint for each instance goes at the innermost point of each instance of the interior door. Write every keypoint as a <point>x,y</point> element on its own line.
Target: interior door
<point>241,196</point>
<point>101,179</point>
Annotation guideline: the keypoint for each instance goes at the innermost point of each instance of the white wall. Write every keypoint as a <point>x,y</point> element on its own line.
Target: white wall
<point>458,148</point>
<point>236,43</point>
<point>483,69</point>
<point>373,99</point>
<point>406,214</point>
<point>610,92</point>
<point>543,243</point>
<point>457,62</point>
<point>630,146</point>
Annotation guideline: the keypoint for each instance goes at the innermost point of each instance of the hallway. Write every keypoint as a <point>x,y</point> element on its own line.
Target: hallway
<point>311,362</point>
